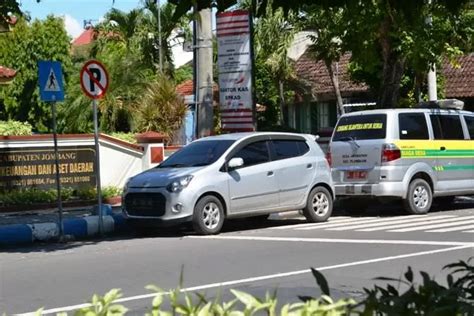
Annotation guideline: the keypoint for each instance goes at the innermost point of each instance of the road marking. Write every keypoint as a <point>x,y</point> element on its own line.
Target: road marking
<point>259,278</point>
<point>418,226</point>
<point>451,229</point>
<point>397,220</point>
<point>368,220</point>
<point>338,219</point>
<point>334,240</point>
<point>430,226</point>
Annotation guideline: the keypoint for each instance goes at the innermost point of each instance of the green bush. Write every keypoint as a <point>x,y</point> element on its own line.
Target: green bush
<point>15,128</point>
<point>37,196</point>
<point>128,137</point>
<point>33,196</point>
<point>429,298</point>
<point>111,191</point>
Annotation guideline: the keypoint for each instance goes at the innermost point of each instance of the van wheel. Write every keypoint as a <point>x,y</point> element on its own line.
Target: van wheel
<point>318,206</point>
<point>419,197</point>
<point>208,216</point>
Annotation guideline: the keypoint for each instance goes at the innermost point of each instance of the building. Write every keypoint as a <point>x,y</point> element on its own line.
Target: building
<point>316,110</point>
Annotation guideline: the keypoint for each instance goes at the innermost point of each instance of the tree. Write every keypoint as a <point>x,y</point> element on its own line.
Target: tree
<point>171,30</point>
<point>383,34</point>
<point>160,109</point>
<point>273,36</point>
<point>21,49</point>
<point>389,38</point>
<point>328,23</point>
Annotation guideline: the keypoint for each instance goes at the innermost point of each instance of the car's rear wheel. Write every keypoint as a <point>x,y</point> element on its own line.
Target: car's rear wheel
<point>208,216</point>
<point>419,197</point>
<point>319,205</point>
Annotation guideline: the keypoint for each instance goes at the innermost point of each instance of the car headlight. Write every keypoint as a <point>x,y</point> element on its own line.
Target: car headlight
<point>125,187</point>
<point>179,184</point>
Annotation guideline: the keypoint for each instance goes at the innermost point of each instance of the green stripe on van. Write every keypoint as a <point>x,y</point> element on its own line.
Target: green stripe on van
<point>453,168</point>
<point>430,153</point>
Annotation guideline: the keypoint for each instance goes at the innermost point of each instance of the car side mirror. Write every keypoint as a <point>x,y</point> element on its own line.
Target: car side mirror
<point>235,163</point>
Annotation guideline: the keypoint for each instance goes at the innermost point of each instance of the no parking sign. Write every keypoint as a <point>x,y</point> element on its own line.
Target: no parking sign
<point>94,79</point>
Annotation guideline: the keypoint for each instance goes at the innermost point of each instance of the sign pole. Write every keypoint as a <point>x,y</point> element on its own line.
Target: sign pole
<point>94,83</point>
<point>58,183</point>
<point>97,163</point>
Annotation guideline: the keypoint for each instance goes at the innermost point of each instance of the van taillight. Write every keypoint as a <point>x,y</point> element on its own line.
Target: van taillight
<point>390,152</point>
<point>329,157</point>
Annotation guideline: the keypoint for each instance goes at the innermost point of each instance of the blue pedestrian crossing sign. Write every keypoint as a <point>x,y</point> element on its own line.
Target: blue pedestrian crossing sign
<point>50,81</point>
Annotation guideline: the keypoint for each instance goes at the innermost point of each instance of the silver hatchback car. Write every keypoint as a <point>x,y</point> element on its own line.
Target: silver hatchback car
<point>230,176</point>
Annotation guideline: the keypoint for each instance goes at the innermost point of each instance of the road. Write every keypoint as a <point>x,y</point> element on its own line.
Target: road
<point>251,256</point>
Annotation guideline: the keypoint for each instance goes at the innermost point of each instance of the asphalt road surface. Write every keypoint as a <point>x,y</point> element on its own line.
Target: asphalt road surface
<point>256,257</point>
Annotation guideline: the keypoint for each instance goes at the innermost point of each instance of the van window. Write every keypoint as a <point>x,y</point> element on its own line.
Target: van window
<point>358,127</point>
<point>289,148</point>
<point>470,125</point>
<point>412,126</point>
<point>254,154</point>
<point>447,126</point>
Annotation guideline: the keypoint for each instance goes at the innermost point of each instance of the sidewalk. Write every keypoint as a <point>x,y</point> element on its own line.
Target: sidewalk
<point>42,225</point>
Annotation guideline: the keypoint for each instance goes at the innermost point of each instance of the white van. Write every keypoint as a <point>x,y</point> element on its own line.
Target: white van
<point>415,154</point>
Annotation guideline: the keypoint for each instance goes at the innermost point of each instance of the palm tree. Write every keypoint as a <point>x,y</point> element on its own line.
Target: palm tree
<point>160,109</point>
<point>274,34</point>
<point>326,44</point>
<point>170,31</point>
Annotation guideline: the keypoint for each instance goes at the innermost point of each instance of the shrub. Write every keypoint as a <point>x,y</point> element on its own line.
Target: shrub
<point>34,196</point>
<point>15,128</point>
<point>128,137</point>
<point>428,298</point>
<point>110,191</point>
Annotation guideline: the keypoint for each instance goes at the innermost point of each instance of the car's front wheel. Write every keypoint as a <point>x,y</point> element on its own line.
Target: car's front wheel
<point>208,216</point>
<point>319,205</point>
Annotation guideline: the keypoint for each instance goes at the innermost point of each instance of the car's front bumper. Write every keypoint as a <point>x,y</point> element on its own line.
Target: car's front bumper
<point>157,206</point>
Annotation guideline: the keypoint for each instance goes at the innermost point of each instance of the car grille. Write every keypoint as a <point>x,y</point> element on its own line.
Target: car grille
<point>145,204</point>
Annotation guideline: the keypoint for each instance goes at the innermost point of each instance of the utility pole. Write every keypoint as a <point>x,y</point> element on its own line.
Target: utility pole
<point>432,89</point>
<point>203,72</point>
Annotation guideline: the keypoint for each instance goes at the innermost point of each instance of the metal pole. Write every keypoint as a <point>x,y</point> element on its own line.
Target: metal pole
<point>58,183</point>
<point>97,163</point>
<point>160,56</point>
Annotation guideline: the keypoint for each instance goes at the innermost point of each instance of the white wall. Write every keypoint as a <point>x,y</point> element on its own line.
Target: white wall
<point>118,160</point>
<point>118,163</point>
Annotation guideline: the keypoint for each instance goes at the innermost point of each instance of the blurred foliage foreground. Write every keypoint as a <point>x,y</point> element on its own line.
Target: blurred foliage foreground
<point>427,297</point>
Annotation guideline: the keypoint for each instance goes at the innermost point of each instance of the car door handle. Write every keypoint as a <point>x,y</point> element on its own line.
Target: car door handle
<point>309,166</point>
<point>442,148</point>
<point>270,173</point>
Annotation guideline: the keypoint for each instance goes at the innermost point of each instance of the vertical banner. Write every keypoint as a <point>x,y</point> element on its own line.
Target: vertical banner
<point>235,71</point>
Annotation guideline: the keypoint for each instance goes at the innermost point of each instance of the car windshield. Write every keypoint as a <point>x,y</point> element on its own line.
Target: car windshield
<point>196,154</point>
<point>357,127</point>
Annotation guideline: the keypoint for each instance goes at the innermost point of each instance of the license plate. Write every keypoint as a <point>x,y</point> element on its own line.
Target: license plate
<point>356,175</point>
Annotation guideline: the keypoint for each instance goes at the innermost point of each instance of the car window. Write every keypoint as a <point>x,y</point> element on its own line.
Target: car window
<point>358,127</point>
<point>289,148</point>
<point>412,126</point>
<point>254,153</point>
<point>447,126</point>
<point>200,153</point>
<point>470,125</point>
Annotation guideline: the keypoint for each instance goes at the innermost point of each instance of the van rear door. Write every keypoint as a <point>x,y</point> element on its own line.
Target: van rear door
<point>356,148</point>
